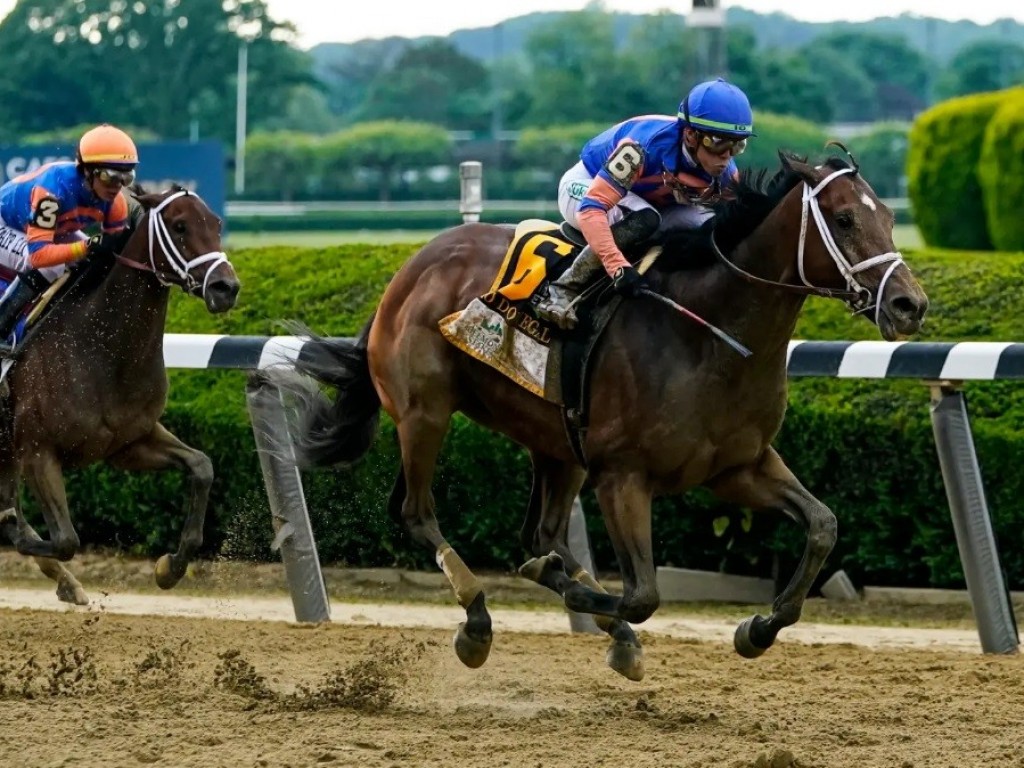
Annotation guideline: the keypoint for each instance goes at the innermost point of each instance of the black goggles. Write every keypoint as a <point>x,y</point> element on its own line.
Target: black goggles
<point>116,176</point>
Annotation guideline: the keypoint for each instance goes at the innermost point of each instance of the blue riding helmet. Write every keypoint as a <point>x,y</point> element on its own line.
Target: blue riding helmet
<point>718,107</point>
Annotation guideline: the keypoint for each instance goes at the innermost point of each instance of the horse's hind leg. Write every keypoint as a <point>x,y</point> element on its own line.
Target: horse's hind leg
<point>160,450</point>
<point>770,484</point>
<point>15,527</point>
<point>421,433</point>
<point>556,484</point>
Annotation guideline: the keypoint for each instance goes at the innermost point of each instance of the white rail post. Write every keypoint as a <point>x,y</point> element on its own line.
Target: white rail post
<point>471,200</point>
<point>293,533</point>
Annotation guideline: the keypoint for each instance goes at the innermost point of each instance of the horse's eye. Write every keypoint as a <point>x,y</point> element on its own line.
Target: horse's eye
<point>844,220</point>
<point>179,227</point>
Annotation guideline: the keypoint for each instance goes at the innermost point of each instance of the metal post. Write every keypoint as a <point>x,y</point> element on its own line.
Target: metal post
<point>962,477</point>
<point>471,202</point>
<point>293,534</point>
<point>579,545</point>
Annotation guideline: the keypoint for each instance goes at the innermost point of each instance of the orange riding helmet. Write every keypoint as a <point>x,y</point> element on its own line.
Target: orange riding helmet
<point>107,145</point>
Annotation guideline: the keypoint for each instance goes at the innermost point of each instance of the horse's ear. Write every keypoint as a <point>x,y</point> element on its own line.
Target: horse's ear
<point>842,147</point>
<point>148,201</point>
<point>793,164</point>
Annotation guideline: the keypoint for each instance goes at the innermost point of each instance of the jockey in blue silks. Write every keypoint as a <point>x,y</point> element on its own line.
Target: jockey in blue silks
<point>644,173</point>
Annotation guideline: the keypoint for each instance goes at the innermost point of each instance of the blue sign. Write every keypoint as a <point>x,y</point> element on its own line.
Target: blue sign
<point>198,166</point>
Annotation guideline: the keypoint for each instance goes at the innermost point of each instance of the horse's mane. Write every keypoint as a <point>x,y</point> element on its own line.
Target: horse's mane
<point>750,200</point>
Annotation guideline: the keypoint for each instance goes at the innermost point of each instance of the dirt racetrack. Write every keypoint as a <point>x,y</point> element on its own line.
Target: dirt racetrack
<point>91,687</point>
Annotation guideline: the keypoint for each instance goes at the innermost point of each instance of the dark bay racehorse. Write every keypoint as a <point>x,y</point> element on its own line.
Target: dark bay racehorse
<point>90,384</point>
<point>671,407</point>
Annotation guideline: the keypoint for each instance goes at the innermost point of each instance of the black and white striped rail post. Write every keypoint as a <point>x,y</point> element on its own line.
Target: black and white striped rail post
<point>293,533</point>
<point>943,366</point>
<point>961,474</point>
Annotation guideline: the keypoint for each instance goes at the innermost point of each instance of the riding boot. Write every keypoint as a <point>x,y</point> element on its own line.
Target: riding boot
<point>19,295</point>
<point>557,306</point>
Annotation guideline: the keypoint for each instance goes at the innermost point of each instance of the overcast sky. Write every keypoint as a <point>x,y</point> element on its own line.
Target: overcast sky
<point>349,20</point>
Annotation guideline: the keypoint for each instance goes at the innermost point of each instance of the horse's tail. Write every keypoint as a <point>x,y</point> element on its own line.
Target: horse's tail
<point>338,431</point>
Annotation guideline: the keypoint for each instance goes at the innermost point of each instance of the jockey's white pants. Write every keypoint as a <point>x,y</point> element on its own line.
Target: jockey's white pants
<point>576,181</point>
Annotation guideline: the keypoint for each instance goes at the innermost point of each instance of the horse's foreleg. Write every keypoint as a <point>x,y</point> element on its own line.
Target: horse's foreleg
<point>556,484</point>
<point>421,435</point>
<point>158,451</point>
<point>15,527</point>
<point>770,484</point>
<point>46,481</point>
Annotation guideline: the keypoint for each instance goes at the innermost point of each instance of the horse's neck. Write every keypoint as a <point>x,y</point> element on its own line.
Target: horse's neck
<point>128,309</point>
<point>760,317</point>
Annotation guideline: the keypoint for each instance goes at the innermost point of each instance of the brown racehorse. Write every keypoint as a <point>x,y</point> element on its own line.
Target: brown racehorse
<point>90,383</point>
<point>672,408</point>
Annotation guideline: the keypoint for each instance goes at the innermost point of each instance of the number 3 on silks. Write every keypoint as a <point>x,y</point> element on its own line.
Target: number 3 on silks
<point>46,213</point>
<point>625,163</point>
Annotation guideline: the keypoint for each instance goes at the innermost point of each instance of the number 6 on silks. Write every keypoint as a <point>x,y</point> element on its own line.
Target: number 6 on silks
<point>625,163</point>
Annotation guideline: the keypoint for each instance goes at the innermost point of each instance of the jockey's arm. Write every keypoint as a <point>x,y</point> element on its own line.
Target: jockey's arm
<point>611,183</point>
<point>41,233</point>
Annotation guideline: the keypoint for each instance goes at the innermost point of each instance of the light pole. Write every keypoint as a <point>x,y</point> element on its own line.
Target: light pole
<point>709,16</point>
<point>240,109</point>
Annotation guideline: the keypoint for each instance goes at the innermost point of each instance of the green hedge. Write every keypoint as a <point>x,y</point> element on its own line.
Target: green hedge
<point>1002,174</point>
<point>864,447</point>
<point>942,171</point>
<point>434,219</point>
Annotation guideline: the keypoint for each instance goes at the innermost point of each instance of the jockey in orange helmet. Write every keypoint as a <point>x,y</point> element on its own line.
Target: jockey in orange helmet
<point>43,214</point>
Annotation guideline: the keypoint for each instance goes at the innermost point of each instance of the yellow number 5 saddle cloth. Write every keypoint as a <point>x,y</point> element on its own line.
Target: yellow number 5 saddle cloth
<point>500,328</point>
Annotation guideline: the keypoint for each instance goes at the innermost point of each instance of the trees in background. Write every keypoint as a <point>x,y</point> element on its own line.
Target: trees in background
<point>158,64</point>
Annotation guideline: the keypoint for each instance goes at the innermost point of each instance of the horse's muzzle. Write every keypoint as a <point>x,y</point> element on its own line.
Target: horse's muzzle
<point>221,294</point>
<point>902,314</point>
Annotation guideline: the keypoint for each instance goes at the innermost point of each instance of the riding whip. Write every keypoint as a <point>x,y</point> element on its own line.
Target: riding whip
<point>697,319</point>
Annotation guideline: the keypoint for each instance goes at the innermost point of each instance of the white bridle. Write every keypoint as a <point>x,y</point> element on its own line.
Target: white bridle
<point>158,232</point>
<point>846,269</point>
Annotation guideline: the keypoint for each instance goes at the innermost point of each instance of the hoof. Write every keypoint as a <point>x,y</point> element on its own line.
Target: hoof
<point>741,640</point>
<point>164,573</point>
<point>535,568</point>
<point>472,653</point>
<point>627,660</point>
<point>72,593</point>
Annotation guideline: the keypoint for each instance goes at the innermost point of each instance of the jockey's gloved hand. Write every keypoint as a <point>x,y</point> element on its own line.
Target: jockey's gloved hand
<point>108,243</point>
<point>628,282</point>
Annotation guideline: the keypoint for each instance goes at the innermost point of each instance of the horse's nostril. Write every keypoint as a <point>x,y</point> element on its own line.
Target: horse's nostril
<point>226,288</point>
<point>908,307</point>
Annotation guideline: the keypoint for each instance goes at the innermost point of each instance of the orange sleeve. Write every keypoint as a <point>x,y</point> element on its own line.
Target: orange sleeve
<point>52,255</point>
<point>594,226</point>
